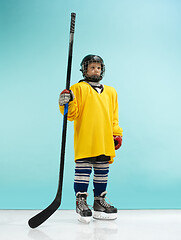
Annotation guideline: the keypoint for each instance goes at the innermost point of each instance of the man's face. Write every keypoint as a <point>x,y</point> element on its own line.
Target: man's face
<point>94,69</point>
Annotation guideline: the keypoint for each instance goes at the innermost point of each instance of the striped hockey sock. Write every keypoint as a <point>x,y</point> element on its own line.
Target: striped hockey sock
<point>83,170</point>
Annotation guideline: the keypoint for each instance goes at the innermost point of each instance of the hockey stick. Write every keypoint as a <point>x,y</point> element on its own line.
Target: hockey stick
<point>46,213</point>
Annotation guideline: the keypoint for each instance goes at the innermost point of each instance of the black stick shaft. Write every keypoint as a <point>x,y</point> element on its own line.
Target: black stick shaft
<point>69,67</point>
<point>46,213</point>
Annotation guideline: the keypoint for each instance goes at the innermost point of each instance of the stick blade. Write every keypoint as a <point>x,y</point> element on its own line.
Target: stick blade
<point>41,217</point>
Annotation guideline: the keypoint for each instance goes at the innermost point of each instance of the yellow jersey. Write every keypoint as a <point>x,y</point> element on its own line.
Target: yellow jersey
<point>95,119</point>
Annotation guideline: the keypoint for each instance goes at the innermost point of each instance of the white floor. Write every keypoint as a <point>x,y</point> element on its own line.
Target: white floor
<point>63,224</point>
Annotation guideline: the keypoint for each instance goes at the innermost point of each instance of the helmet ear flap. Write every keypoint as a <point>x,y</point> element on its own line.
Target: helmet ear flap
<point>102,70</point>
<point>84,67</point>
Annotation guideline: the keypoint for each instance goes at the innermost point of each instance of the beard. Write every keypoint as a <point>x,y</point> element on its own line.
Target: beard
<point>93,78</point>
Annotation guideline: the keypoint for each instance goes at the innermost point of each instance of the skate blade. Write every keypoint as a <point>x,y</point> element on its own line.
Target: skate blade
<point>84,219</point>
<point>104,216</point>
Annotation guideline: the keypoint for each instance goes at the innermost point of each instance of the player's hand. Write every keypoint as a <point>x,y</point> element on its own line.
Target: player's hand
<point>65,97</point>
<point>117,142</point>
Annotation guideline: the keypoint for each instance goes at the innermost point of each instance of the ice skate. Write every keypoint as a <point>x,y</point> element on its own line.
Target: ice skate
<point>82,209</point>
<point>103,210</point>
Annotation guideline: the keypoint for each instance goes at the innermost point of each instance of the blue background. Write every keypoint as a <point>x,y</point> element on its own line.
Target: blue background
<point>140,42</point>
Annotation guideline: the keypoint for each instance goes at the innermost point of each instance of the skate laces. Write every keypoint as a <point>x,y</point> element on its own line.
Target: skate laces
<point>104,203</point>
<point>82,203</point>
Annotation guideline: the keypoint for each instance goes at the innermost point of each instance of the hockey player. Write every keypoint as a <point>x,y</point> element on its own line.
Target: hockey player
<point>94,109</point>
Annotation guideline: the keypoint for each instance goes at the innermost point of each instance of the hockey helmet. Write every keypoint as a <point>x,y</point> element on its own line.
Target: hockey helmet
<point>84,65</point>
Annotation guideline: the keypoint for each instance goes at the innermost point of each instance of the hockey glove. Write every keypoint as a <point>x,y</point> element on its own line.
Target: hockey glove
<point>65,97</point>
<point>117,142</point>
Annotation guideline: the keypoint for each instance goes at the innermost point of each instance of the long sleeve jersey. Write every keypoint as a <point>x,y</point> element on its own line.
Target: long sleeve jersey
<point>95,119</point>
